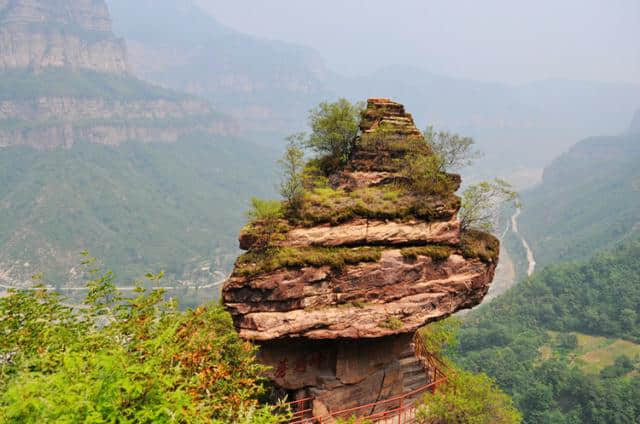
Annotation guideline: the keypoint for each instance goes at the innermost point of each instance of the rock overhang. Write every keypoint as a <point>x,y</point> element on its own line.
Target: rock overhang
<point>419,268</point>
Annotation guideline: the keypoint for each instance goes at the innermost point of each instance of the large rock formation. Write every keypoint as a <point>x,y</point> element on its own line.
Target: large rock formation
<point>357,270</point>
<point>59,33</point>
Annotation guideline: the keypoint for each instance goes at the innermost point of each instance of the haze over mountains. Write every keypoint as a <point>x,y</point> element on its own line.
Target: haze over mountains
<point>270,85</point>
<point>589,199</point>
<point>174,149</point>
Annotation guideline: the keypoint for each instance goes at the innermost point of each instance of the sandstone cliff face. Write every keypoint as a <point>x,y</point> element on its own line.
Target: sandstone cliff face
<point>59,33</point>
<point>68,82</point>
<point>357,269</point>
<point>50,122</point>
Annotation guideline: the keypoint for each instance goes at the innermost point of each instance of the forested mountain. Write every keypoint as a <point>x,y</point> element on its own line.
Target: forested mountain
<point>139,207</point>
<point>565,342</point>
<point>146,178</point>
<point>589,199</point>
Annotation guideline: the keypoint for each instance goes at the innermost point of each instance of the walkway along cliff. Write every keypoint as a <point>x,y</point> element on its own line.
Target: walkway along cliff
<point>364,263</point>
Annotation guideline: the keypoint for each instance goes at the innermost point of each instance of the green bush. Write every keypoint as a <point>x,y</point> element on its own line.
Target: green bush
<point>265,225</point>
<point>135,360</point>
<point>468,398</point>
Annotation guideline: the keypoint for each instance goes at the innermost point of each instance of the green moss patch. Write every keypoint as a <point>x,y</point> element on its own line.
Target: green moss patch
<point>480,245</point>
<point>391,323</point>
<point>325,205</point>
<point>254,263</point>
<point>437,253</point>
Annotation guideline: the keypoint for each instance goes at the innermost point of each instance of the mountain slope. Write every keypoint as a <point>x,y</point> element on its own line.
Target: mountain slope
<point>589,199</point>
<point>511,340</point>
<point>146,178</point>
<point>564,342</point>
<point>73,34</point>
<point>140,207</point>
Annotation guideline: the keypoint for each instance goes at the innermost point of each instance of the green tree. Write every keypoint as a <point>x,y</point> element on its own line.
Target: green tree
<point>481,202</point>
<point>292,166</point>
<point>454,151</point>
<point>465,397</point>
<point>425,174</point>
<point>334,128</point>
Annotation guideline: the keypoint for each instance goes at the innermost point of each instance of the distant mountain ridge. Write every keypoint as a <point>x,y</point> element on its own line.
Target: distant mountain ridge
<point>267,85</point>
<point>64,79</point>
<point>589,200</point>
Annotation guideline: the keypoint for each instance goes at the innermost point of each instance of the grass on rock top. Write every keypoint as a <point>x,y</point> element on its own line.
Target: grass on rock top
<point>326,205</point>
<point>253,263</point>
<point>259,262</point>
<point>481,245</point>
<point>437,253</point>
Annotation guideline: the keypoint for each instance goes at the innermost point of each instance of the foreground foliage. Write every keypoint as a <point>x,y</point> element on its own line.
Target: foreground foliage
<point>466,397</point>
<point>124,360</point>
<point>508,339</point>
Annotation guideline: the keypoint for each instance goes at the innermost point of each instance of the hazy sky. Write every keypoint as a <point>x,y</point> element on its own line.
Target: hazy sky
<point>499,40</point>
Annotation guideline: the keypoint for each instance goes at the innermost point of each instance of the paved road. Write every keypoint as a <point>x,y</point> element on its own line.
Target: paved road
<point>530,258</point>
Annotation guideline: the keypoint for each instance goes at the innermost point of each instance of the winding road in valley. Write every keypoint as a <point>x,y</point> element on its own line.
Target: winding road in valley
<point>530,258</point>
<point>506,273</point>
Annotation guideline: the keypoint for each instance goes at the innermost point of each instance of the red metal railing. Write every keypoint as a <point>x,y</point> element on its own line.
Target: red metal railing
<point>400,409</point>
<point>301,409</point>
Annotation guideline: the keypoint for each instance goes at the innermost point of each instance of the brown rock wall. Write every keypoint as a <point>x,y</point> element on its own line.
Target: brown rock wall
<point>357,302</point>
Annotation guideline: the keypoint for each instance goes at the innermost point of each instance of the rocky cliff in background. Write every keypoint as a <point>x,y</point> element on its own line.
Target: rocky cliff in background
<point>153,203</point>
<point>75,34</point>
<point>49,122</point>
<point>65,80</point>
<point>356,270</point>
<point>176,44</point>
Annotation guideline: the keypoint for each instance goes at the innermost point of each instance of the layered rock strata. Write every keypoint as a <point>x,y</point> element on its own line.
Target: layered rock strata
<point>65,80</point>
<point>50,122</point>
<point>74,34</point>
<point>337,330</point>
